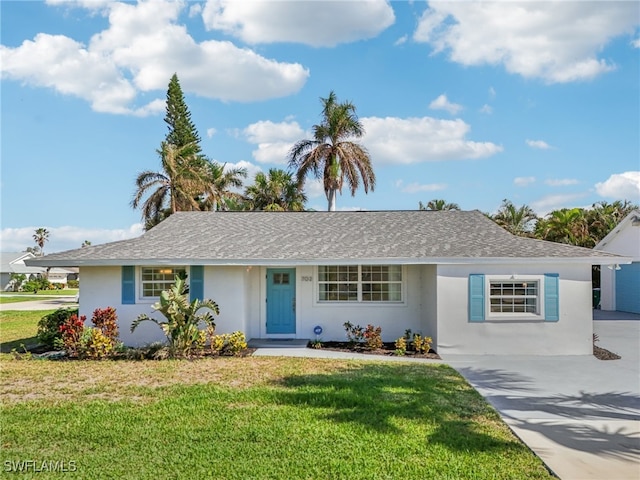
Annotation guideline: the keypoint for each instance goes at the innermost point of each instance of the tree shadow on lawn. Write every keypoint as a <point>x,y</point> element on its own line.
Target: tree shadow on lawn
<point>29,343</point>
<point>568,420</point>
<point>380,397</point>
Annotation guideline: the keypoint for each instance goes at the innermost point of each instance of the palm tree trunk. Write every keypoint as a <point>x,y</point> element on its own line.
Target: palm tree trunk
<point>332,199</point>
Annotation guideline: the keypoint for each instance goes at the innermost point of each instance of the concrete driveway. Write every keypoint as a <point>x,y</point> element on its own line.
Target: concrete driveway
<point>580,415</point>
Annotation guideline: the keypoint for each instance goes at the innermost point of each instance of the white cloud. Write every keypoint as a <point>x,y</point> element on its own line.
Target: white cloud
<point>636,43</point>
<point>139,51</point>
<point>401,41</point>
<point>443,103</point>
<point>486,108</point>
<point>561,182</point>
<point>538,144</point>
<point>621,186</point>
<point>252,170</point>
<point>274,140</point>
<point>523,181</point>
<point>64,238</point>
<point>393,140</point>
<point>309,23</point>
<point>555,41</point>
<point>415,187</point>
<point>492,93</point>
<point>211,132</point>
<point>314,187</point>
<point>549,203</point>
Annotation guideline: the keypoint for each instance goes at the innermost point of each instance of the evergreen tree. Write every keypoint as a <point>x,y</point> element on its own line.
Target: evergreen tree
<point>182,131</point>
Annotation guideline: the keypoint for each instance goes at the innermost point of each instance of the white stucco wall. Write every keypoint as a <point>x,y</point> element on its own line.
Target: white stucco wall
<point>435,304</point>
<point>571,335</point>
<point>393,318</point>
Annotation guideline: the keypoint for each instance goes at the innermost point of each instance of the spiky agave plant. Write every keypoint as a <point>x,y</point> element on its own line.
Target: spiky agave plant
<point>181,326</point>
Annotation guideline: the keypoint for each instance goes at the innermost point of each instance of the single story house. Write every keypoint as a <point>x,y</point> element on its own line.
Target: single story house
<point>14,263</point>
<point>453,275</point>
<point>620,284</point>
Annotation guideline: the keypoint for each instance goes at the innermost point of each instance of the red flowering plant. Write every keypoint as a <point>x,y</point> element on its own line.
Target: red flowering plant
<point>71,331</point>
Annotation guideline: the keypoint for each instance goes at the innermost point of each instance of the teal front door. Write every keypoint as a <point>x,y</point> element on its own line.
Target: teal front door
<point>281,300</point>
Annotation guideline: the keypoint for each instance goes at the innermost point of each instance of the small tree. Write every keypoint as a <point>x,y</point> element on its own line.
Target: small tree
<point>181,326</point>
<point>16,280</point>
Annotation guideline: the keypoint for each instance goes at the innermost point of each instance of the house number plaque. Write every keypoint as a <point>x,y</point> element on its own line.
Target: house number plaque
<point>306,278</point>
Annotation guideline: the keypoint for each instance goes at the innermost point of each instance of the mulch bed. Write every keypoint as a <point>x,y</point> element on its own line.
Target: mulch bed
<point>603,354</point>
<point>388,349</point>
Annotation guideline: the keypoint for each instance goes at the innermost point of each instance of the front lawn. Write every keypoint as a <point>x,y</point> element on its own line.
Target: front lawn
<point>18,328</point>
<point>240,418</point>
<point>66,292</point>
<point>16,299</point>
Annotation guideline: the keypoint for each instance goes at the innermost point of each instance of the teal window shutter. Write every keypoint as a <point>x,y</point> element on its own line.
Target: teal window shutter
<point>196,282</point>
<point>128,285</point>
<point>476,297</point>
<point>551,298</point>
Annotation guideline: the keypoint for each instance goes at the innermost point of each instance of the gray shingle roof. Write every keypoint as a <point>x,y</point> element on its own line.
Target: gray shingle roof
<point>323,237</point>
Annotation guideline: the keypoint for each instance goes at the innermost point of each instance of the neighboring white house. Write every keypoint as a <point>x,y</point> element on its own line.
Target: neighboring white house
<point>13,262</point>
<point>620,284</point>
<point>455,276</point>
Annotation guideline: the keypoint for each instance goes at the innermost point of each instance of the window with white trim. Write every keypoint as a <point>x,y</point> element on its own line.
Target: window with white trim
<point>157,279</point>
<point>360,283</point>
<point>514,296</point>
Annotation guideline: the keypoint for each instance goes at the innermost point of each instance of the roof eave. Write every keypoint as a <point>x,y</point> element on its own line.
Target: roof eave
<point>595,260</point>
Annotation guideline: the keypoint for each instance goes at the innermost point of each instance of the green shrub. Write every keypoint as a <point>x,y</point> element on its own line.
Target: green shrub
<point>36,285</point>
<point>49,325</point>
<point>73,283</point>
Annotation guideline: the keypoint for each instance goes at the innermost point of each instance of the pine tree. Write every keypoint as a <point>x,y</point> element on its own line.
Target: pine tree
<point>182,131</point>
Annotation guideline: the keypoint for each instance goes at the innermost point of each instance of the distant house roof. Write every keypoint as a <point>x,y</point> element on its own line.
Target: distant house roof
<point>293,238</point>
<point>13,262</point>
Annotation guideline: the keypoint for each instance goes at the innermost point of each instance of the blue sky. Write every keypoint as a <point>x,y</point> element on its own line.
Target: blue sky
<point>473,102</point>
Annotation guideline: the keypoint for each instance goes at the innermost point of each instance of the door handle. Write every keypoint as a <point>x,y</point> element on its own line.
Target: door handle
<point>293,305</point>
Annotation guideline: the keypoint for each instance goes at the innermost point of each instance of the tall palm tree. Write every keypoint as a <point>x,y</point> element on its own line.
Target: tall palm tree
<point>438,204</point>
<point>219,185</point>
<point>515,220</point>
<point>41,236</point>
<point>332,155</point>
<point>276,191</point>
<point>175,188</point>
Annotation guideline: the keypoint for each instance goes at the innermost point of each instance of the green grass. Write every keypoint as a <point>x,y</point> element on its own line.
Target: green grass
<point>19,327</point>
<point>43,293</point>
<point>258,418</point>
<point>7,299</point>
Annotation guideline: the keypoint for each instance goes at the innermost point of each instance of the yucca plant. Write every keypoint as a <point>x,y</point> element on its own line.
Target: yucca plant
<point>181,326</point>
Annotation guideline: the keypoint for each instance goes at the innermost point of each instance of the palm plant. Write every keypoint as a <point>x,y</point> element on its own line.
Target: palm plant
<point>567,225</point>
<point>515,220</point>
<point>175,188</point>
<point>181,326</point>
<point>438,204</point>
<point>219,184</point>
<point>276,191</point>
<point>41,236</point>
<point>332,155</point>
